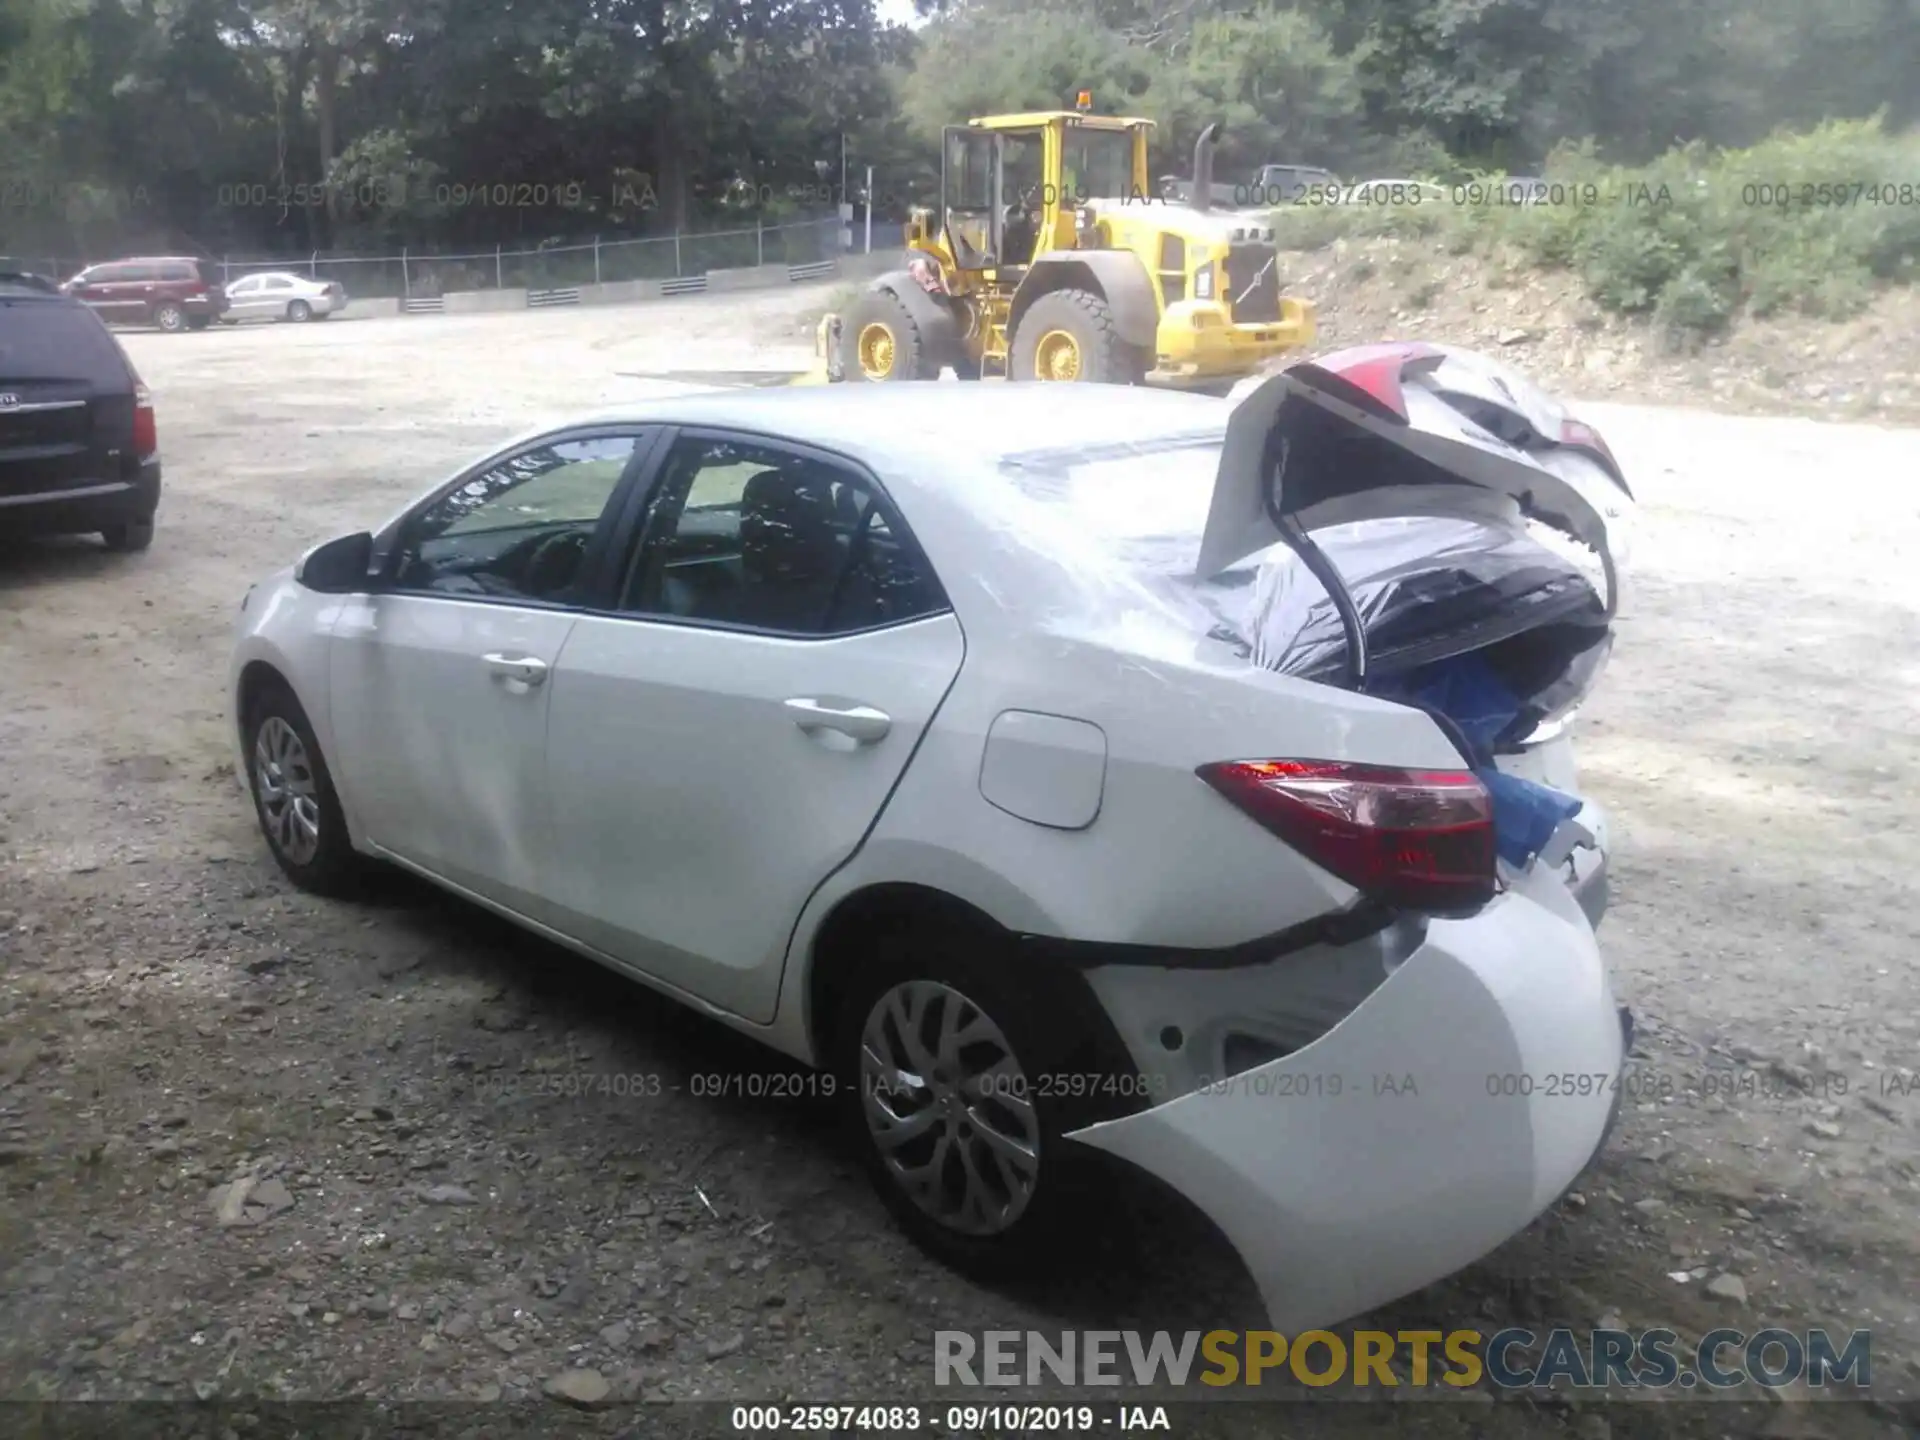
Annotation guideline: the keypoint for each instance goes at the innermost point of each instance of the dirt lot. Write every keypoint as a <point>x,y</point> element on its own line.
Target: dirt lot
<point>434,1217</point>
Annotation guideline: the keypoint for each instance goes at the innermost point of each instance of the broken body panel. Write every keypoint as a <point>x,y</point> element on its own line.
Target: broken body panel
<point>1430,511</point>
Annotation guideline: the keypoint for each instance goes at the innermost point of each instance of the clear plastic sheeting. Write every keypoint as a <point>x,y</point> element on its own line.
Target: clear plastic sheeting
<point>1425,588</point>
<point>1128,517</point>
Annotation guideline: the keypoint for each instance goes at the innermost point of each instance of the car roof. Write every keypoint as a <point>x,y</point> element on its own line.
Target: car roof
<point>913,433</point>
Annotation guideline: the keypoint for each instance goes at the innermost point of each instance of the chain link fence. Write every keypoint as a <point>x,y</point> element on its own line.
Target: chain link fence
<point>424,274</point>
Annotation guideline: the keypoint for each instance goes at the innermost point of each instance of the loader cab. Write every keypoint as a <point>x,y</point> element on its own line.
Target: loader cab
<point>1012,185</point>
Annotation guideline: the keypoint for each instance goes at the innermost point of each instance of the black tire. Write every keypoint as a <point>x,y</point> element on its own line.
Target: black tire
<point>299,312</point>
<point>333,868</point>
<point>1045,1026</point>
<point>129,536</point>
<point>170,317</point>
<point>1103,357</point>
<point>908,358</point>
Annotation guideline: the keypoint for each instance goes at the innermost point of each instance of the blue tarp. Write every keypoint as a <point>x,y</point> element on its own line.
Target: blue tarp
<point>1469,692</point>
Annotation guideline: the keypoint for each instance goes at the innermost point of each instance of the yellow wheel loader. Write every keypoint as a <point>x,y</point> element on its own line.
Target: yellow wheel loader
<point>1049,258</point>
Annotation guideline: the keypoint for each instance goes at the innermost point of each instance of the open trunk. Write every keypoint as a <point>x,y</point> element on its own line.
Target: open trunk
<point>1418,523</point>
<point>1449,537</point>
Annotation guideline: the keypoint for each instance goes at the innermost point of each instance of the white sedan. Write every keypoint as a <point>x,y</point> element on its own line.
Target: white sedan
<point>283,295</point>
<point>996,751</point>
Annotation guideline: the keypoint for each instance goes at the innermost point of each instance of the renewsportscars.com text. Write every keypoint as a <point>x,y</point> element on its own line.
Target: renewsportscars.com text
<point>1513,1358</point>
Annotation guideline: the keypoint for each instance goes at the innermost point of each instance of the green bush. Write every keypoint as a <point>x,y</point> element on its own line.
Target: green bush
<point>1806,224</point>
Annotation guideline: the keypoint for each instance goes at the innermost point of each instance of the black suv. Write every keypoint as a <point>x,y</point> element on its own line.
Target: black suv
<point>78,447</point>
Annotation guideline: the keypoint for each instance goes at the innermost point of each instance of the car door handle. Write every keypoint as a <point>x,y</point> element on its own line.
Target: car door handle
<point>524,668</point>
<point>858,722</point>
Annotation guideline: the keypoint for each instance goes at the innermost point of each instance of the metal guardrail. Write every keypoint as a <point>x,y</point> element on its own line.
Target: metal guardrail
<point>551,299</point>
<point>686,285</point>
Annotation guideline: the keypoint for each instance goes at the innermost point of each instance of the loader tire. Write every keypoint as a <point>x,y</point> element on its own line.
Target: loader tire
<point>1070,335</point>
<point>880,341</point>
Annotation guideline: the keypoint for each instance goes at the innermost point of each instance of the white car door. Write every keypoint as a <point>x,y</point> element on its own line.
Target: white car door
<point>723,740</point>
<point>438,693</point>
<point>246,300</point>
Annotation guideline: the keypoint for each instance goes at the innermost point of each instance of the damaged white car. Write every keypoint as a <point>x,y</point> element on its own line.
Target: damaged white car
<point>1058,768</point>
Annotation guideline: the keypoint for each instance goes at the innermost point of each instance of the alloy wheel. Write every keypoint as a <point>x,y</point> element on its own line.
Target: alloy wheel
<point>289,793</point>
<point>948,1108</point>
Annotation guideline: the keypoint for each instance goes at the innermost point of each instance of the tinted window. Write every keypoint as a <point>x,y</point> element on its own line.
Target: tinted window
<point>518,531</point>
<point>111,274</point>
<point>178,272</point>
<point>752,535</point>
<point>41,339</point>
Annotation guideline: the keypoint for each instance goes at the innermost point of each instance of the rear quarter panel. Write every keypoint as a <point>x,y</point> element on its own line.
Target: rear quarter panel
<point>1167,861</point>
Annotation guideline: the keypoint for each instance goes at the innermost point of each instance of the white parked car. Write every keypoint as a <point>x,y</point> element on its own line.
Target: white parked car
<point>994,750</point>
<point>282,295</point>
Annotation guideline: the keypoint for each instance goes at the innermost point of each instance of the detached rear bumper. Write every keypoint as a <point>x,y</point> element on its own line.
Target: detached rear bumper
<point>1458,1102</point>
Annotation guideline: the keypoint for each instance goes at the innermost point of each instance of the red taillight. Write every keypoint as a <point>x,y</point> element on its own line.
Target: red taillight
<point>146,434</point>
<point>1415,839</point>
<point>1584,437</point>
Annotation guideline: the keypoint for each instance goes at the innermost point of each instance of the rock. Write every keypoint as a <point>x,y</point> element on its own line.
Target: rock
<point>616,1336</point>
<point>1728,1287</point>
<point>249,1201</point>
<point>409,1311</point>
<point>1610,1320</point>
<point>583,1388</point>
<point>503,1342</point>
<point>732,1345</point>
<point>447,1195</point>
<point>458,1326</point>
<point>1515,337</point>
<point>1650,1206</point>
<point>1823,1130</point>
<point>230,1202</point>
<point>273,1195</point>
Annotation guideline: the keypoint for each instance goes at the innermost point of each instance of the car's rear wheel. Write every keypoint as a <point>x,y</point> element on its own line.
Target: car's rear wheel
<point>949,1076</point>
<point>170,317</point>
<point>294,798</point>
<point>299,311</point>
<point>129,536</point>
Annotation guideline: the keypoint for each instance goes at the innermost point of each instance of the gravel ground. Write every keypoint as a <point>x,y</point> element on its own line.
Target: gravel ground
<point>432,1205</point>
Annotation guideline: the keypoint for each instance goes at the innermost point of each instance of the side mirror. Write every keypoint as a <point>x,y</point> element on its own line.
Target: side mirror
<point>339,567</point>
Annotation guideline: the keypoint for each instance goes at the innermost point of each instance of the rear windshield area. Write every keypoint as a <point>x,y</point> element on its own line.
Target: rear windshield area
<point>1129,517</point>
<point>1139,505</point>
<point>43,339</point>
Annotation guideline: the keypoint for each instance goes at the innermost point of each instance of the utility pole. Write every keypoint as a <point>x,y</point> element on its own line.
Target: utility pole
<point>869,210</point>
